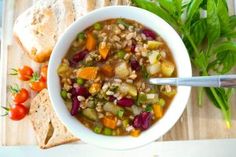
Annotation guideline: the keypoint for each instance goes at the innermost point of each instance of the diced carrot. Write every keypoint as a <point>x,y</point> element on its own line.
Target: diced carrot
<point>104,50</point>
<point>94,88</point>
<point>158,110</point>
<point>135,132</point>
<point>107,70</point>
<point>91,41</point>
<point>88,73</point>
<point>109,122</point>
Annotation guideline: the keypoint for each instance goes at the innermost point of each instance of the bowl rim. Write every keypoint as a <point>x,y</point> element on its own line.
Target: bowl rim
<point>173,112</point>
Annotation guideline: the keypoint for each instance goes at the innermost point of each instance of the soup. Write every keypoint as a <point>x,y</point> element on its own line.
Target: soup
<point>104,77</point>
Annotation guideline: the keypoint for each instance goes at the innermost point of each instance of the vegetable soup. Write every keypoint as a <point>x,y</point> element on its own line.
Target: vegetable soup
<point>103,77</point>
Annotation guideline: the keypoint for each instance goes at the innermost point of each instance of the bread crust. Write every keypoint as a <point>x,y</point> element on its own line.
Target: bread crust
<point>48,129</point>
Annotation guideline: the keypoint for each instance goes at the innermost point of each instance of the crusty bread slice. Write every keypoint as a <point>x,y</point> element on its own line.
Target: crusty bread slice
<point>49,130</point>
<point>39,27</point>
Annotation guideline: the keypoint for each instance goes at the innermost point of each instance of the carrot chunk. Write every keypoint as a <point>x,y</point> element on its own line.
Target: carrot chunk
<point>109,122</point>
<point>104,50</point>
<point>91,41</point>
<point>87,73</point>
<point>135,132</point>
<point>158,110</point>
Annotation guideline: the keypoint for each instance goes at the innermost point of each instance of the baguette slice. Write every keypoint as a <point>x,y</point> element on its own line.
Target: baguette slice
<point>49,130</point>
<point>39,27</point>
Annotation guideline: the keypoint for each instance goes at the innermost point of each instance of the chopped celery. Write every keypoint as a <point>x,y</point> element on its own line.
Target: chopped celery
<point>90,114</point>
<point>111,107</point>
<point>162,102</point>
<point>120,113</point>
<point>148,108</point>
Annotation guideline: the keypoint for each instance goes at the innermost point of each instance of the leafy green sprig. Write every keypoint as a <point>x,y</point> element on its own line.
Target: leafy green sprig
<point>208,32</point>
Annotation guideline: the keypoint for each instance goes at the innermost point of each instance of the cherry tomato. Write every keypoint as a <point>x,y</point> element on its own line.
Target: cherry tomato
<point>44,72</point>
<point>19,95</point>
<point>24,73</point>
<point>39,85</point>
<point>16,111</point>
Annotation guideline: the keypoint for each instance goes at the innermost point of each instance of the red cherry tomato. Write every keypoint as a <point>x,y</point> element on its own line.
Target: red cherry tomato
<point>17,111</point>
<point>39,85</point>
<point>21,96</point>
<point>24,73</point>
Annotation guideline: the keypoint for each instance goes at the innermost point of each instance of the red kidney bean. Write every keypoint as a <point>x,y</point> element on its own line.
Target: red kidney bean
<point>80,91</point>
<point>125,102</point>
<point>149,33</point>
<point>78,57</point>
<point>135,64</point>
<point>146,119</point>
<point>75,106</point>
<point>137,122</point>
<point>142,121</point>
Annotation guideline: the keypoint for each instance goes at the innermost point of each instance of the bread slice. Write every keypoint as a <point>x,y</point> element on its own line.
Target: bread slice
<point>48,128</point>
<point>39,27</point>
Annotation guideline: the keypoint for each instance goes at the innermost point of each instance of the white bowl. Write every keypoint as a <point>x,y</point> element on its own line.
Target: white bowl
<point>183,69</point>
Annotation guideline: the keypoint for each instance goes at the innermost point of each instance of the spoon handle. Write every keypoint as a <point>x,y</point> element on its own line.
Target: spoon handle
<point>199,81</point>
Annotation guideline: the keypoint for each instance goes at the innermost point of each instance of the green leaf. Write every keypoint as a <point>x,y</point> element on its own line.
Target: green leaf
<point>225,58</point>
<point>231,34</point>
<point>232,21</point>
<point>213,23</point>
<point>201,61</point>
<point>222,12</point>
<point>156,9</point>
<point>226,46</point>
<point>192,10</point>
<point>198,31</point>
<point>224,95</point>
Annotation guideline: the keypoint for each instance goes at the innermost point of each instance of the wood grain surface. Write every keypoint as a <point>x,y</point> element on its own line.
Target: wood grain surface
<point>204,122</point>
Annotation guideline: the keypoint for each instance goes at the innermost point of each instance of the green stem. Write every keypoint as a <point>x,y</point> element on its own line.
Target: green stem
<point>226,113</point>
<point>195,50</point>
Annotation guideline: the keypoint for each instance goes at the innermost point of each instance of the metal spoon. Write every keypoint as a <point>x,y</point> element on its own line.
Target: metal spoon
<point>199,81</point>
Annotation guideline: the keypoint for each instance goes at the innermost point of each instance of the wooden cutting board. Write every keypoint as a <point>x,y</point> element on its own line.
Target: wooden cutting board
<point>204,122</point>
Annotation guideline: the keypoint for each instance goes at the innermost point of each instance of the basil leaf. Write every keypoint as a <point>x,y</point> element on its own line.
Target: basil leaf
<point>192,10</point>
<point>232,21</point>
<point>198,31</point>
<point>154,8</point>
<point>225,58</point>
<point>231,34</point>
<point>201,61</point>
<point>226,46</point>
<point>213,24</point>
<point>222,12</point>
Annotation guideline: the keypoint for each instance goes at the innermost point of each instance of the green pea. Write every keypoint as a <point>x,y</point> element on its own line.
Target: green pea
<point>97,26</point>
<point>107,131</point>
<point>64,94</point>
<point>80,81</point>
<point>121,54</point>
<point>97,129</point>
<point>81,36</point>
